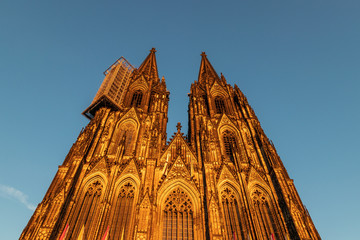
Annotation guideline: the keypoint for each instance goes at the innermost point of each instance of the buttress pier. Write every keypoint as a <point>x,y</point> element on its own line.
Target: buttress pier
<point>123,179</point>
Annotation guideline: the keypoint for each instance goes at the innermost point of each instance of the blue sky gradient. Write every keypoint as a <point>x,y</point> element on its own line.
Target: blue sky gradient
<point>296,61</point>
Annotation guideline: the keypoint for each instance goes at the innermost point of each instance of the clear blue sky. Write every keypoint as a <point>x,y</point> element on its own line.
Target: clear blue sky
<point>296,61</point>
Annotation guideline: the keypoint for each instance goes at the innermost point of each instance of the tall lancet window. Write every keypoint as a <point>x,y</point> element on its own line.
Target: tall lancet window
<point>220,105</point>
<point>265,215</point>
<point>205,100</point>
<point>123,139</point>
<point>136,98</point>
<point>129,133</point>
<point>122,212</point>
<point>86,214</point>
<point>178,216</point>
<point>234,225</point>
<point>229,144</point>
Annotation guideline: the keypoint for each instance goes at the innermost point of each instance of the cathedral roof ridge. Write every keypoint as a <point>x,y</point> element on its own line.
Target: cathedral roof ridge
<point>175,135</point>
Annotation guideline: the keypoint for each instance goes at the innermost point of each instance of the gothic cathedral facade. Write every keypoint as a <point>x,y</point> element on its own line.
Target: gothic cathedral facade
<point>122,179</point>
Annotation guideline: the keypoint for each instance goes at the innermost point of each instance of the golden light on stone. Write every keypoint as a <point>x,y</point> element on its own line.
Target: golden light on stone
<point>123,180</point>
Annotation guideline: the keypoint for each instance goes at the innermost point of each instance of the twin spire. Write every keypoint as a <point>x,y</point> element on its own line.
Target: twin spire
<point>149,68</point>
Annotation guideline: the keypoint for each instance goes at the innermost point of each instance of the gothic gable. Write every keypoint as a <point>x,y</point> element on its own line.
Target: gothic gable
<point>225,121</point>
<point>139,83</point>
<point>225,174</point>
<point>217,90</point>
<point>145,201</point>
<point>177,171</point>
<point>131,114</point>
<point>178,147</point>
<point>98,166</point>
<point>130,168</point>
<point>255,177</point>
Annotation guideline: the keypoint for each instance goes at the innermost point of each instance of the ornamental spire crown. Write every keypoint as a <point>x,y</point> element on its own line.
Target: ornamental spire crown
<point>149,66</point>
<point>206,72</point>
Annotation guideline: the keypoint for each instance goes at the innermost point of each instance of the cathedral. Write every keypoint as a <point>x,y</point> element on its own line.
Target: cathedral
<point>123,178</point>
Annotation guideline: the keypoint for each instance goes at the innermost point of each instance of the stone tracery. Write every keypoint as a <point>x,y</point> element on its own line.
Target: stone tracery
<point>123,211</point>
<point>178,216</point>
<point>229,144</point>
<point>220,105</point>
<point>87,210</point>
<point>234,225</point>
<point>265,216</point>
<point>137,98</point>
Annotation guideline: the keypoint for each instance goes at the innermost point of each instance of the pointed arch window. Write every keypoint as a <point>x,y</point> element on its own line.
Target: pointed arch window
<point>178,216</point>
<point>229,144</point>
<point>129,140</point>
<point>124,136</point>
<point>87,212</point>
<point>136,98</point>
<point>123,212</point>
<point>220,105</point>
<point>265,215</point>
<point>235,228</point>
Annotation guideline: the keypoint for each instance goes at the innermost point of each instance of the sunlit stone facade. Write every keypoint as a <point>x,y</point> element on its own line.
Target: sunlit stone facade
<point>123,180</point>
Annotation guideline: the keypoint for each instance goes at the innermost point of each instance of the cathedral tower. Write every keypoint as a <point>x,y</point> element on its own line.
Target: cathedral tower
<point>123,180</point>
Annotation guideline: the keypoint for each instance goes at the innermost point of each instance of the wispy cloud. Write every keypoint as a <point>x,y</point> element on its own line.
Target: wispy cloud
<point>10,192</point>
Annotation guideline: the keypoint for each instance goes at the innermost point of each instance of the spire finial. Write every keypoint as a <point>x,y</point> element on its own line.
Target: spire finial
<point>149,67</point>
<point>206,70</point>
<point>178,127</point>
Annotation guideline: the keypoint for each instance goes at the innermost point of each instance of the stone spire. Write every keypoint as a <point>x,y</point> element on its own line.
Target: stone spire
<point>149,67</point>
<point>206,70</point>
